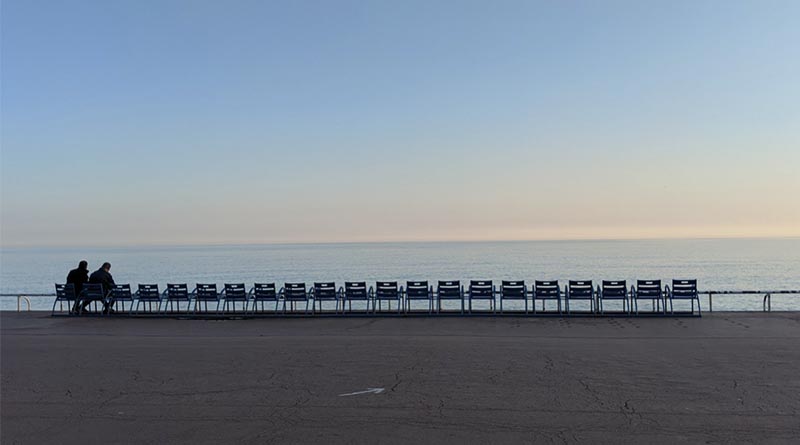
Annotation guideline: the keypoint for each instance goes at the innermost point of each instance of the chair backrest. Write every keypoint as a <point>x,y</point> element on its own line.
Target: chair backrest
<point>121,292</point>
<point>355,290</point>
<point>544,289</point>
<point>265,291</point>
<point>481,289</point>
<point>449,289</point>
<point>417,289</point>
<point>93,291</point>
<point>513,289</point>
<point>179,291</point>
<point>648,289</point>
<point>580,288</point>
<point>325,291</point>
<point>295,291</point>
<point>386,289</point>
<point>235,291</point>
<point>149,292</point>
<point>684,288</point>
<point>65,291</point>
<point>206,292</point>
<point>614,289</point>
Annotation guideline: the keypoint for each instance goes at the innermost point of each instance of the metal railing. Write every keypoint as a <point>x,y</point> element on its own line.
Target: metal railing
<point>26,298</point>
<point>766,302</point>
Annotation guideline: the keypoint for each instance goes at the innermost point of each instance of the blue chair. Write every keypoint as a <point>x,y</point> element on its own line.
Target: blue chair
<point>482,290</point>
<point>92,293</point>
<point>647,290</point>
<point>64,293</point>
<point>120,293</point>
<point>581,290</point>
<point>323,292</point>
<point>355,291</point>
<point>205,293</point>
<point>614,290</point>
<point>449,290</point>
<point>418,291</point>
<point>513,290</point>
<point>295,293</point>
<point>148,294</point>
<point>683,290</point>
<point>387,291</point>
<point>546,290</point>
<point>176,293</point>
<point>233,293</point>
<point>263,293</point>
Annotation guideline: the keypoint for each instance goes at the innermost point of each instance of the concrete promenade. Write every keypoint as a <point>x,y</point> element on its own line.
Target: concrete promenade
<point>721,378</point>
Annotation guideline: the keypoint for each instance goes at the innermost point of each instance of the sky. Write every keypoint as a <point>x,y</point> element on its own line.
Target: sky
<point>204,122</point>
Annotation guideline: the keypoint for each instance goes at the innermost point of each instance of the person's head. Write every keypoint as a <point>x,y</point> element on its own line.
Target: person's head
<point>83,265</point>
<point>106,266</point>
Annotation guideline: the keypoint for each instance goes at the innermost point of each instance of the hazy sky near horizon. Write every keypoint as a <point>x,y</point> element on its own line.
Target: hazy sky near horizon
<point>150,122</point>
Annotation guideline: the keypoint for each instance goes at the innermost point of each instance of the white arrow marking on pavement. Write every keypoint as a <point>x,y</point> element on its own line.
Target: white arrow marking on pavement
<point>368,391</point>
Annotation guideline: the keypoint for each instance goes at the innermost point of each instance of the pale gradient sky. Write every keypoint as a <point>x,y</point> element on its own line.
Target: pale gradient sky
<point>171,122</point>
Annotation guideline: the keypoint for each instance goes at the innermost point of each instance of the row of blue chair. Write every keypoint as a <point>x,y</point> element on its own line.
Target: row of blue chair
<point>293,294</point>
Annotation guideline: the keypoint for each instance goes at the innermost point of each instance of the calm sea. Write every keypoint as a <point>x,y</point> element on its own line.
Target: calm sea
<point>720,264</point>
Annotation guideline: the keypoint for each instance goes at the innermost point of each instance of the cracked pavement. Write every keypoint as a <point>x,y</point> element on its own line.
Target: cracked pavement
<point>722,378</point>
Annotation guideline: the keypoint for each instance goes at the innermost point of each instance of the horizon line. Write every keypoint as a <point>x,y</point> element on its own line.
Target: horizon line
<point>409,241</point>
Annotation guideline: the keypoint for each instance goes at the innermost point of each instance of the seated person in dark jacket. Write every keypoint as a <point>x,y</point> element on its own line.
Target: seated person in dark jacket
<point>77,277</point>
<point>103,277</point>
